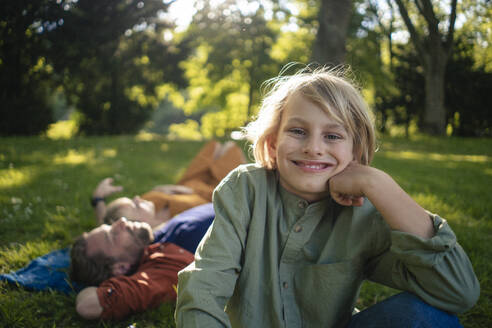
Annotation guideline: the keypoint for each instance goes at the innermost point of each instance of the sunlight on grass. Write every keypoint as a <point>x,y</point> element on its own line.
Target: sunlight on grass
<point>436,157</point>
<point>17,255</point>
<point>13,177</point>
<point>145,136</point>
<point>109,153</point>
<point>164,147</point>
<point>74,157</point>
<point>44,206</point>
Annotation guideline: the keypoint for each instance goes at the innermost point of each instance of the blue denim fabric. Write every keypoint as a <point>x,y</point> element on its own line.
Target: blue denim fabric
<point>403,311</point>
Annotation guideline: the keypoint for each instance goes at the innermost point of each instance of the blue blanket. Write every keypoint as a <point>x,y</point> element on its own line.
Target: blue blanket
<point>49,271</point>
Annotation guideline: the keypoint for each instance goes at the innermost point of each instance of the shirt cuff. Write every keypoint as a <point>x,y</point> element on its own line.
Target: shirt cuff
<point>416,250</point>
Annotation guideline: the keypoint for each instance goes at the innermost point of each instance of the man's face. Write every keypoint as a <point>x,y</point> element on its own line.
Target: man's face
<point>123,240</point>
<point>310,147</point>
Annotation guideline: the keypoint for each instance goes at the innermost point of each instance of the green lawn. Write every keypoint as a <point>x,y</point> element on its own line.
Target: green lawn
<point>44,203</point>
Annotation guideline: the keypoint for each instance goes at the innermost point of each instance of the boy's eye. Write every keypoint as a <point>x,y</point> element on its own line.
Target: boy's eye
<point>297,131</point>
<point>333,137</point>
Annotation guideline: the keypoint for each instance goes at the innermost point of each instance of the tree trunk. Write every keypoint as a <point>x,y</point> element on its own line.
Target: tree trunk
<point>334,18</point>
<point>435,111</point>
<point>434,49</point>
<point>434,121</point>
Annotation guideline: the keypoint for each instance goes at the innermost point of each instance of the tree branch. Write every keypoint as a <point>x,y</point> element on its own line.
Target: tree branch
<point>452,21</point>
<point>419,7</point>
<point>430,17</point>
<point>414,36</point>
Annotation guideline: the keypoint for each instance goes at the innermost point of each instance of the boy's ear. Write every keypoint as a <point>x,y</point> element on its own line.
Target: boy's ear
<point>272,145</point>
<point>120,268</point>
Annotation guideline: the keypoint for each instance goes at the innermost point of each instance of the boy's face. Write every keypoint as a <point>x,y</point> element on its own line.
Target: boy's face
<point>309,148</point>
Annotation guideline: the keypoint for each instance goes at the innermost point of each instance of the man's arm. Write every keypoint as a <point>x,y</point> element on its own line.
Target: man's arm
<point>87,303</point>
<point>103,189</point>
<point>173,189</point>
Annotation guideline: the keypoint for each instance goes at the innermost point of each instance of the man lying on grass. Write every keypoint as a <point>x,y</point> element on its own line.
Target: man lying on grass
<point>133,267</point>
<point>212,163</point>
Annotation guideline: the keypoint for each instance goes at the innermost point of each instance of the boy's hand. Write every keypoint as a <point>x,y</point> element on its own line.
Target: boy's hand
<point>346,188</point>
<point>106,188</point>
<point>397,208</point>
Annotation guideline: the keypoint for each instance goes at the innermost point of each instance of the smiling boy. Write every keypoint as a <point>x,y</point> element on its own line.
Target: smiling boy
<point>296,234</point>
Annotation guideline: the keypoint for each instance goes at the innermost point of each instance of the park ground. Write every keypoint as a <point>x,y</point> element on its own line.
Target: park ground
<point>45,187</point>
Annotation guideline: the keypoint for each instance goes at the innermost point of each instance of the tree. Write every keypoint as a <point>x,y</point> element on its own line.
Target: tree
<point>25,73</point>
<point>112,57</point>
<point>433,45</point>
<point>333,18</point>
<point>467,97</point>
<point>231,60</point>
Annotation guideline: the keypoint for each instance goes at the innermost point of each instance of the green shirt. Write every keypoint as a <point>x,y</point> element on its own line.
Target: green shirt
<point>271,259</point>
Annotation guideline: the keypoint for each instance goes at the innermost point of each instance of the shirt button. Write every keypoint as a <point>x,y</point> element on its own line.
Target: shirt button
<point>285,285</point>
<point>302,204</point>
<point>298,228</point>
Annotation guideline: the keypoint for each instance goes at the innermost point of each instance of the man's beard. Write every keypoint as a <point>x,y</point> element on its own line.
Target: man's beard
<point>143,235</point>
<point>142,238</point>
<point>134,266</point>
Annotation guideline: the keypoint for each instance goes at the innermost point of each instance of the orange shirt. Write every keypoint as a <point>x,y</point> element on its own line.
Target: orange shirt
<point>150,286</point>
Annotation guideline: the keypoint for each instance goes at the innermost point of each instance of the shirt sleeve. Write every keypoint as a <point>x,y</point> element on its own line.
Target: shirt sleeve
<point>436,269</point>
<point>147,288</point>
<point>206,285</point>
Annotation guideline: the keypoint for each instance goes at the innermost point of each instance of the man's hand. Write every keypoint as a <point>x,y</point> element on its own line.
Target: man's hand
<point>173,189</point>
<point>106,188</point>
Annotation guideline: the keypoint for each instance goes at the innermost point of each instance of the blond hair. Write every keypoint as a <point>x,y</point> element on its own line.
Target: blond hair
<point>331,90</point>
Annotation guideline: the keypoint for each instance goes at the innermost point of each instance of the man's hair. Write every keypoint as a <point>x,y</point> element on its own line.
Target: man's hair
<point>332,91</point>
<point>114,211</point>
<point>89,270</point>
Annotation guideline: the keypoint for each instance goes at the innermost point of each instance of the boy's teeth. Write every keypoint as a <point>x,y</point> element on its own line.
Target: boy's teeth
<point>314,166</point>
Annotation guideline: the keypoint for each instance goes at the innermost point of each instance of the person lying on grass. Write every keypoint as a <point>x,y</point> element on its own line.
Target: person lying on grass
<point>155,207</point>
<point>297,233</point>
<point>129,268</point>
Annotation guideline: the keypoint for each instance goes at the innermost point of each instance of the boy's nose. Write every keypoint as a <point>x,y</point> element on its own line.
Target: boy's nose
<point>313,146</point>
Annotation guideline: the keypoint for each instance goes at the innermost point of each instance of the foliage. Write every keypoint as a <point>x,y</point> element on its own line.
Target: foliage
<point>24,71</point>
<point>44,204</point>
<point>468,96</point>
<point>433,43</point>
<point>231,59</point>
<point>467,99</point>
<point>114,58</point>
<point>109,56</point>
<point>477,25</point>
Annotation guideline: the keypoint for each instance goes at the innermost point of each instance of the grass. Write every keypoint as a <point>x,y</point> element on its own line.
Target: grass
<point>44,203</point>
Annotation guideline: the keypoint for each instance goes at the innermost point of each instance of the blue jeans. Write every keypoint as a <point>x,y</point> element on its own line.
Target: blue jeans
<point>403,311</point>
